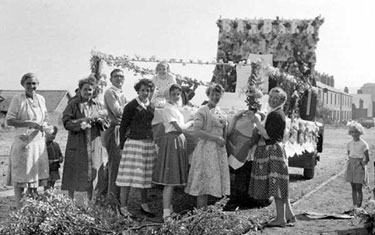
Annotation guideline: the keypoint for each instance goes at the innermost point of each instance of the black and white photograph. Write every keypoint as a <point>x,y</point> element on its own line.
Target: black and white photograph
<point>187,117</point>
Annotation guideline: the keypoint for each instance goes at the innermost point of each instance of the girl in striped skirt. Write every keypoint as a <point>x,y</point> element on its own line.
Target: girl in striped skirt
<point>139,152</point>
<point>269,175</point>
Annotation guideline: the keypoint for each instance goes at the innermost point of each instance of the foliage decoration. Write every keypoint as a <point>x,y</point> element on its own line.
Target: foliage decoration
<point>291,42</point>
<point>253,93</point>
<point>213,221</point>
<point>126,62</point>
<point>55,213</point>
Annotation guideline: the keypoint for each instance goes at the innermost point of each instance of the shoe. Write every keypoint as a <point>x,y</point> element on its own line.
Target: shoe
<point>273,224</point>
<point>126,213</point>
<point>291,220</point>
<point>157,220</point>
<point>147,213</point>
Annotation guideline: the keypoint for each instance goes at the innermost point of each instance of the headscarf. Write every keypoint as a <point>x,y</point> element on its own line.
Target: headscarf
<point>167,91</point>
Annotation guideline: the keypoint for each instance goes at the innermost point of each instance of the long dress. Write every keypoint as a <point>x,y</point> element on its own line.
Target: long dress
<point>29,166</point>
<point>84,155</point>
<point>209,170</point>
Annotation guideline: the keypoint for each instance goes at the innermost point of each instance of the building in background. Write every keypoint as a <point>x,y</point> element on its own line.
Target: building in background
<point>362,106</point>
<point>368,88</point>
<point>337,103</point>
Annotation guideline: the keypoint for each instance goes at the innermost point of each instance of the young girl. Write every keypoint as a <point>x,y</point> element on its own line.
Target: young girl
<point>171,168</point>
<point>162,80</point>
<point>356,172</point>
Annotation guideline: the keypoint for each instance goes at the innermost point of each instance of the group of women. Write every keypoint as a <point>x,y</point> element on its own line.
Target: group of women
<point>142,162</point>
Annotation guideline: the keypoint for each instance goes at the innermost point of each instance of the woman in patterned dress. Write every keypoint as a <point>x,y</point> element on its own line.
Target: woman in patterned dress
<point>209,170</point>
<point>29,166</point>
<point>139,151</point>
<point>84,117</point>
<point>269,175</point>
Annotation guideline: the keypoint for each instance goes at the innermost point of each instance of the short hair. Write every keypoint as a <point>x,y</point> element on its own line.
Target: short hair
<point>281,93</point>
<point>89,80</point>
<point>27,76</point>
<point>214,87</point>
<point>163,63</point>
<point>144,82</point>
<point>115,71</point>
<point>355,126</point>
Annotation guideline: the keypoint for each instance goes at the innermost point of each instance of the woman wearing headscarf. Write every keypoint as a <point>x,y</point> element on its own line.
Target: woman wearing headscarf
<point>269,175</point>
<point>171,168</point>
<point>29,166</point>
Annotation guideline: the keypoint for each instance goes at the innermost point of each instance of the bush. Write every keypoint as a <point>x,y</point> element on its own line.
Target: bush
<point>55,213</point>
<point>211,221</point>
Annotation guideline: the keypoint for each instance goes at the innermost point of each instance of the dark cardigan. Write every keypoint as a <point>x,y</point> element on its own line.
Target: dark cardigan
<point>136,122</point>
<point>275,126</point>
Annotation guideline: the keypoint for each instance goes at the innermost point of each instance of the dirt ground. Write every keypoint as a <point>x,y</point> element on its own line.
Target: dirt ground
<point>326,193</point>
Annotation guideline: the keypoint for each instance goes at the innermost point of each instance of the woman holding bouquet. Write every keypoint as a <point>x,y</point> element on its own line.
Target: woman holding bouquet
<point>85,119</point>
<point>29,166</point>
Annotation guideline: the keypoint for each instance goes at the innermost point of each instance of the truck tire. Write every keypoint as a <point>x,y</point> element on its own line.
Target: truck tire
<point>308,173</point>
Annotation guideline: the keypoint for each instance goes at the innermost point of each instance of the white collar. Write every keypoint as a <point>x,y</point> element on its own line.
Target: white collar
<point>144,105</point>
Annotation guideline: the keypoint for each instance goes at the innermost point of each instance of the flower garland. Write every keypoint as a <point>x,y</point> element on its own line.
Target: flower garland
<point>98,58</point>
<point>253,93</point>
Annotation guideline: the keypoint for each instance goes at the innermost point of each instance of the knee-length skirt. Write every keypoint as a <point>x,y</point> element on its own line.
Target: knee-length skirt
<point>269,175</point>
<point>171,167</point>
<point>356,171</point>
<point>137,163</point>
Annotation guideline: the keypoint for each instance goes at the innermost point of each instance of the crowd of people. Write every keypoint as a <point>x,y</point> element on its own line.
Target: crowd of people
<point>121,131</point>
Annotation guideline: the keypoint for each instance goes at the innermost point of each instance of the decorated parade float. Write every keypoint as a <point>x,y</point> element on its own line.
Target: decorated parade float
<point>253,56</point>
<point>256,55</point>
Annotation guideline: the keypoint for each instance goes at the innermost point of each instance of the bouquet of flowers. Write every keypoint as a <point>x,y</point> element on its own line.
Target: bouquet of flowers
<point>253,92</point>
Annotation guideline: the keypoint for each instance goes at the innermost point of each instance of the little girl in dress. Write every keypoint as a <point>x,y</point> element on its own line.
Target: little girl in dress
<point>356,172</point>
<point>162,80</point>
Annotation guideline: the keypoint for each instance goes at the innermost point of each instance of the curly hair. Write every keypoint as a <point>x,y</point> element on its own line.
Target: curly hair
<point>89,80</point>
<point>355,126</point>
<point>144,82</point>
<point>281,93</point>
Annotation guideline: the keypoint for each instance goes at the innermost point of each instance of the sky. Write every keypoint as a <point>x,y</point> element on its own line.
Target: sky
<point>54,39</point>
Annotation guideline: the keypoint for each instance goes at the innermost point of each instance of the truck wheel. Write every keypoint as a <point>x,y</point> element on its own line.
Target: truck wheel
<point>308,173</point>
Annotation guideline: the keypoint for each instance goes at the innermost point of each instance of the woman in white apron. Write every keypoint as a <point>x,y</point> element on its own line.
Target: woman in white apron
<point>28,166</point>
